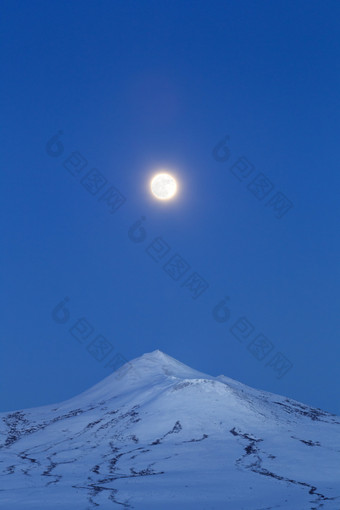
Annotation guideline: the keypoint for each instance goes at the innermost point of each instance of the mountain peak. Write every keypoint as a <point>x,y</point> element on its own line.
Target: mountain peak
<point>157,354</point>
<point>161,357</point>
<point>158,361</point>
<point>159,434</point>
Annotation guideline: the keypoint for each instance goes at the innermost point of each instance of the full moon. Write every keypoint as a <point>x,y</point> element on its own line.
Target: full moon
<point>163,186</point>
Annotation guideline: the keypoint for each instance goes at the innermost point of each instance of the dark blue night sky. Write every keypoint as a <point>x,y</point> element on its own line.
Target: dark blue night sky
<point>239,275</point>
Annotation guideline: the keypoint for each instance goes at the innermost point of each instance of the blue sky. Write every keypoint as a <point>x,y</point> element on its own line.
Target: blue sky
<point>132,87</point>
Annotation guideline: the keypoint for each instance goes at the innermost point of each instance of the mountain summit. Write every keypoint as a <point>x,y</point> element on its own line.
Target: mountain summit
<point>157,434</point>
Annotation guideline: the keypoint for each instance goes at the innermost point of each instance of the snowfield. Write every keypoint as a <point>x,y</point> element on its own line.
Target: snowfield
<point>157,434</point>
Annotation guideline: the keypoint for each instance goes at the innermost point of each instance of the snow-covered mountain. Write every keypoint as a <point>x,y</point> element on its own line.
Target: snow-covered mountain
<point>157,434</point>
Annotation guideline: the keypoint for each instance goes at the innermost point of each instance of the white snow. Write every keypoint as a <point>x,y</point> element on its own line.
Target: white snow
<point>157,434</point>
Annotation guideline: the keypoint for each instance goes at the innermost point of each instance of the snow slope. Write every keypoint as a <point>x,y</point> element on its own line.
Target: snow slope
<point>157,434</point>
